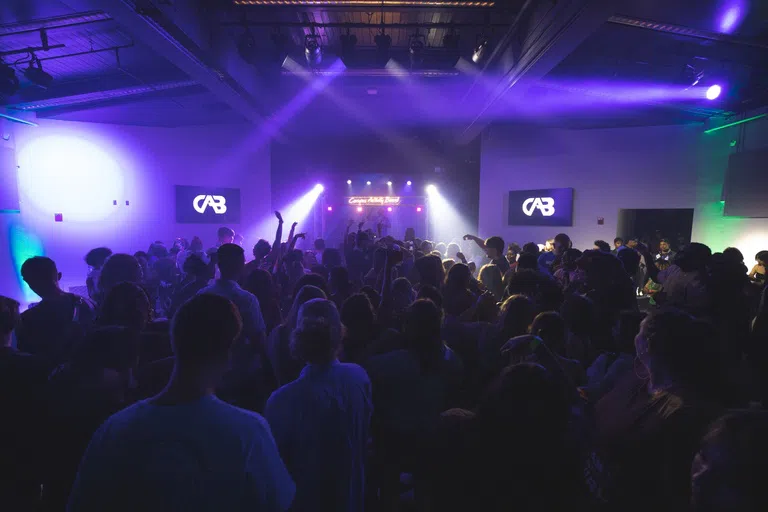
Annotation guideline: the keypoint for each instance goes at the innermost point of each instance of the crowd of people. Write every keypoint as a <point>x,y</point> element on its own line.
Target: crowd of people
<point>388,374</point>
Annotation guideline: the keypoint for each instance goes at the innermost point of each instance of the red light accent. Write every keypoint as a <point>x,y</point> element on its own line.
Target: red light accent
<point>330,208</point>
<point>418,209</point>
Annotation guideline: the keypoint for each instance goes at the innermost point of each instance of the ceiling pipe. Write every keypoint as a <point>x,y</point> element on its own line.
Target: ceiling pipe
<point>56,23</point>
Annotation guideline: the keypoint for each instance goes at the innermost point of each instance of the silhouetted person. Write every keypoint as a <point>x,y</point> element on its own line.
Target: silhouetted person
<point>184,449</point>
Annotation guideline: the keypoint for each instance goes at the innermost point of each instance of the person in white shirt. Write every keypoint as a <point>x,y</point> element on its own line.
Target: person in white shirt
<point>184,449</point>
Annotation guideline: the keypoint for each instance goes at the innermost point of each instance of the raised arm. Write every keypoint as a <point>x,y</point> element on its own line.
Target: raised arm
<point>479,241</point>
<point>279,232</point>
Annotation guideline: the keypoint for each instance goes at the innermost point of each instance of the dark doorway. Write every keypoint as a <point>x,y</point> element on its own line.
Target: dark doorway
<point>651,225</point>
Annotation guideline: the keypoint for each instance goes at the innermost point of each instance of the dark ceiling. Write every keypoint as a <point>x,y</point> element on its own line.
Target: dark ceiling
<point>571,62</point>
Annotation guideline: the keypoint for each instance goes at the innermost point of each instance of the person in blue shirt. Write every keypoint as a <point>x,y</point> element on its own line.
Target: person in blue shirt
<point>548,260</point>
<point>185,449</point>
<point>321,420</point>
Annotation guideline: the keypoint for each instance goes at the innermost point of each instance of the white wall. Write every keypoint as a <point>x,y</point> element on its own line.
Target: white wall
<point>611,169</point>
<point>78,169</point>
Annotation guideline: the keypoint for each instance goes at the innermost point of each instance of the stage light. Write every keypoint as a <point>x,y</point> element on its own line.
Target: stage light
<point>312,50</point>
<point>389,208</point>
<point>383,43</point>
<point>9,82</point>
<point>389,183</point>
<point>298,210</point>
<point>482,49</point>
<point>408,183</point>
<point>349,182</point>
<point>714,92</point>
<point>431,189</point>
<point>330,208</point>
<point>319,188</point>
<point>36,75</point>
<point>348,43</point>
<point>367,182</point>
<point>359,209</point>
<point>418,208</point>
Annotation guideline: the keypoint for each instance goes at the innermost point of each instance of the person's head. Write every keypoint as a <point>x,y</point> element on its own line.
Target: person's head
<point>196,245</point>
<point>516,316</point>
<point>549,245</point>
<point>430,270</point>
<point>447,265</point>
<point>762,258</point>
<point>363,240</point>
<point>422,331</point>
<point>663,264</point>
<point>694,257</point>
<point>570,259</point>
<point>358,317</point>
<point>512,251</point>
<point>731,455</point>
<point>41,275</point>
<point>302,296</point>
<point>195,267</point>
<point>156,251</point>
<point>379,259</point>
<point>318,333</point>
<point>452,250</point>
<point>602,245</point>
<point>225,235</point>
<point>618,242</point>
<point>339,281</point>
<point>259,282</point>
<point>238,239</point>
<point>315,280</point>
<point>126,305</point>
<point>119,268</point>
<point>441,248</point>
<point>231,261</point>
<point>431,293</point>
<point>202,333</point>
<point>550,327</point>
<point>531,248</point>
<point>494,247</point>
<point>402,293</point>
<point>96,257</point>
<point>664,245</point>
<point>733,255</point>
<point>491,277</point>
<point>528,260</point>
<point>9,319</point>
<point>319,244</point>
<point>261,249</point>
<point>410,235</point>
<point>562,243</point>
<point>459,277</point>
<point>632,243</point>
<point>630,260</point>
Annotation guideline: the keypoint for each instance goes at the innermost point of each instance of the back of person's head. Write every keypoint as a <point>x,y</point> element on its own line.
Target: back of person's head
<point>662,264</point>
<point>41,274</point>
<point>431,293</point>
<point>732,453</point>
<point>315,280</point>
<point>402,293</point>
<point>410,234</point>
<point>459,277</point>
<point>107,347</point>
<point>340,279</point>
<point>452,250</point>
<point>9,316</point>
<point>261,249</point>
<point>96,257</point>
<point>694,257</point>
<point>447,264</point>
<point>231,260</point>
<point>358,316</point>
<point>318,333</point>
<point>331,257</point>
<point>430,270</point>
<point>531,248</point>
<point>495,242</point>
<point>570,257</point>
<point>362,239</point>
<point>630,260</point>
<point>204,329</point>
<point>196,245</point>
<point>490,276</point>
<point>319,244</point>
<point>733,255</point>
<point>528,260</point>
<point>119,268</point>
<point>303,295</point>
<point>550,327</point>
<point>579,315</point>
<point>157,250</point>
<point>441,248</point>
<point>372,294</point>
<point>602,245</point>
<point>762,257</point>
<point>562,242</point>
<point>196,267</point>
<point>422,329</point>
<point>225,234</point>
<point>516,315</point>
<point>126,305</point>
<point>259,282</point>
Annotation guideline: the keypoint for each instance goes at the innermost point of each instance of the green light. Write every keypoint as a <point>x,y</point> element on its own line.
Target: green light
<point>712,130</point>
<point>10,211</point>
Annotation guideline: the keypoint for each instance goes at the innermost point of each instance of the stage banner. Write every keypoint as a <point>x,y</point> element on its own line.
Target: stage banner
<point>541,207</point>
<point>207,205</point>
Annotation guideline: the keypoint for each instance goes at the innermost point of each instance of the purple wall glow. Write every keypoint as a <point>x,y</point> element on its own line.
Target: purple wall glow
<point>80,169</point>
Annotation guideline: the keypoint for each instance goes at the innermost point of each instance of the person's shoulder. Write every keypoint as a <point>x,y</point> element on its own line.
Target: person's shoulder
<point>353,370</point>
<point>243,417</point>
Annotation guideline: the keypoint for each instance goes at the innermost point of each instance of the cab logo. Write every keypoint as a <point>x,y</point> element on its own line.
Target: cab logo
<point>217,203</point>
<point>546,205</point>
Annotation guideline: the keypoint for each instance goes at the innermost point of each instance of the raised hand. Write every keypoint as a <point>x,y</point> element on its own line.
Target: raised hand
<point>293,226</point>
<point>461,256</point>
<point>301,235</point>
<point>469,237</point>
<point>279,217</point>
<point>360,225</point>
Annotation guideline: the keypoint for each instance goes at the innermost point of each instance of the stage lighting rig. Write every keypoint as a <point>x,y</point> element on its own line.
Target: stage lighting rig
<point>35,73</point>
<point>416,49</point>
<point>313,51</point>
<point>482,49</point>
<point>383,43</point>
<point>9,82</point>
<point>348,43</point>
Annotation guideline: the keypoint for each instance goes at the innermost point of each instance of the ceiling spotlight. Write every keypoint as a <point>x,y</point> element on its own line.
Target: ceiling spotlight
<point>482,49</point>
<point>313,50</point>
<point>408,183</point>
<point>416,50</point>
<point>348,42</point>
<point>714,92</point>
<point>431,189</point>
<point>359,209</point>
<point>389,183</point>
<point>36,75</point>
<point>349,182</point>
<point>389,208</point>
<point>418,208</point>
<point>383,43</point>
<point>319,187</point>
<point>330,208</point>
<point>367,182</point>
<point>9,82</point>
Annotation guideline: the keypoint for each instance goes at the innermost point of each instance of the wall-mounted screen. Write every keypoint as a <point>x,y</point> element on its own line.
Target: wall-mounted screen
<point>207,205</point>
<point>541,207</point>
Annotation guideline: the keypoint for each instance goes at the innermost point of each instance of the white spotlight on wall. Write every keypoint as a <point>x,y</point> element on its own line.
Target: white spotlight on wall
<point>389,183</point>
<point>431,189</point>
